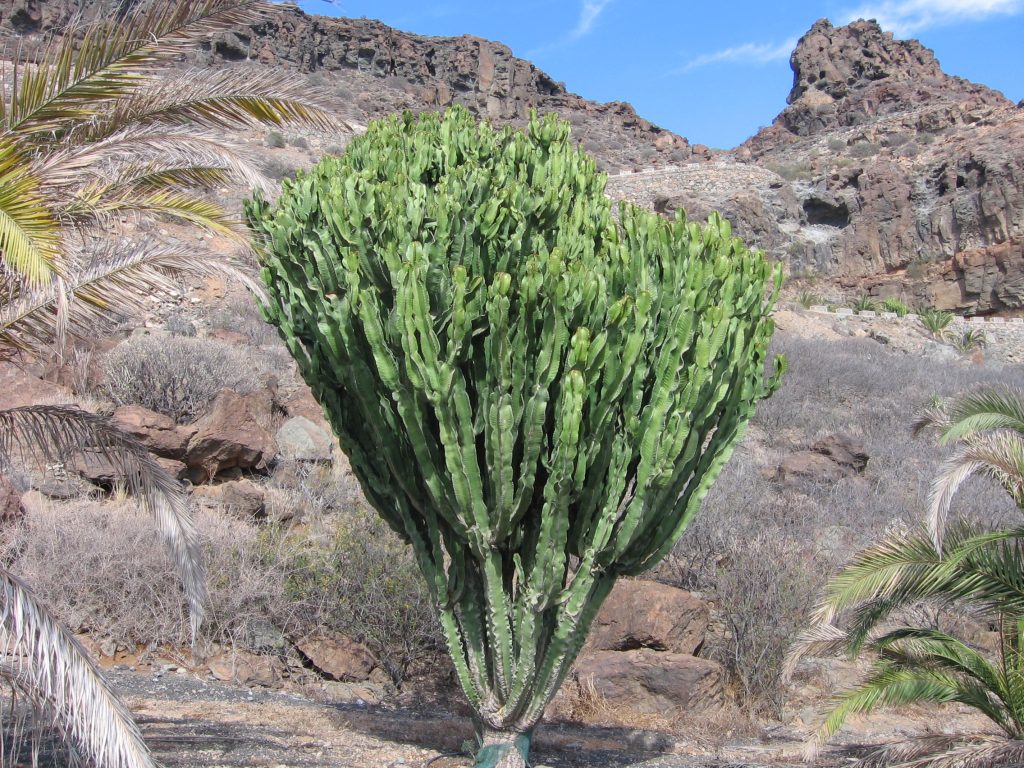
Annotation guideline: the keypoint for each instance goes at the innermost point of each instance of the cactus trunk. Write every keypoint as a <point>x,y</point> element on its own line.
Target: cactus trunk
<point>534,395</point>
<point>503,749</point>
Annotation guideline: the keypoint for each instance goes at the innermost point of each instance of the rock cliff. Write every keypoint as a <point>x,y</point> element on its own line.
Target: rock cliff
<point>883,173</point>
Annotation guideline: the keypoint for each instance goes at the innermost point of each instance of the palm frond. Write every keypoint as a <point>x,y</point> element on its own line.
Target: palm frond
<point>999,455</point>
<point>219,99</point>
<point>119,279</point>
<point>46,662</point>
<point>73,79</point>
<point>886,686</point>
<point>58,433</point>
<point>142,146</point>
<point>987,409</point>
<point>981,567</point>
<point>818,639</point>
<point>29,234</point>
<point>920,752</point>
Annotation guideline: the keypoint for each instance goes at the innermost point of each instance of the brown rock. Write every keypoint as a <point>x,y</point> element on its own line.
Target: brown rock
<point>646,614</point>
<point>157,432</point>
<point>652,682</point>
<point>810,465</point>
<point>338,657</point>
<point>233,434</point>
<point>844,450</point>
<point>239,497</point>
<point>19,388</point>
<point>246,668</point>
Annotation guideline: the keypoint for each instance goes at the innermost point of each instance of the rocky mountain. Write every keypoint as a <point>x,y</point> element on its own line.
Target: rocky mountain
<point>374,70</point>
<point>882,175</point>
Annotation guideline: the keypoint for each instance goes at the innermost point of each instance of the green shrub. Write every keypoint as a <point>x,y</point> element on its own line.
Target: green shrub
<point>935,320</point>
<point>864,303</point>
<point>299,142</point>
<point>892,304</point>
<point>836,144</point>
<point>275,139</point>
<point>807,299</point>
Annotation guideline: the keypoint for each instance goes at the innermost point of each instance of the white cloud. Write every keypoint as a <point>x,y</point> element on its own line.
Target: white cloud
<point>588,15</point>
<point>748,53</point>
<point>907,17</point>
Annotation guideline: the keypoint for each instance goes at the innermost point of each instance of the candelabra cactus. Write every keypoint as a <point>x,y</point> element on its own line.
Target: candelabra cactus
<point>534,396</point>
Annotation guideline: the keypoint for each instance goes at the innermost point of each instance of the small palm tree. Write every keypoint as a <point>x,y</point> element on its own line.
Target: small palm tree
<point>988,429</point>
<point>978,569</point>
<point>91,137</point>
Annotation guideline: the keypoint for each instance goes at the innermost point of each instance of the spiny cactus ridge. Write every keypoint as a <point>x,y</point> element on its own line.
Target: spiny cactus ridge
<point>534,395</point>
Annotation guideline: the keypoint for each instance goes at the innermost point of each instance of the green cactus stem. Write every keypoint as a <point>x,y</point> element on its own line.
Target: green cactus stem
<point>534,395</point>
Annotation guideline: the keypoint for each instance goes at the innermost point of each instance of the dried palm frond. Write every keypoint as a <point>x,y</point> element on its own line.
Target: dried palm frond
<point>43,660</point>
<point>56,433</point>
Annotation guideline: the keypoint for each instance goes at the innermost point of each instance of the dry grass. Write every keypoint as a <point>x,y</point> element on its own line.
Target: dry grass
<point>761,550</point>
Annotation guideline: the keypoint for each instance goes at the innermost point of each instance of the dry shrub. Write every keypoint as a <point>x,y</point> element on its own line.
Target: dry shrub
<point>177,376</point>
<point>103,570</point>
<point>350,573</point>
<point>761,550</point>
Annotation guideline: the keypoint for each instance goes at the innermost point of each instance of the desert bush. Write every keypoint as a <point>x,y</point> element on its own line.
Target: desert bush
<point>277,169</point>
<point>760,549</point>
<point>175,375</point>
<point>836,144</point>
<point>239,314</point>
<point>100,569</point>
<point>275,139</point>
<point>792,171</point>
<point>350,573</point>
<point>299,142</point>
<point>863,149</point>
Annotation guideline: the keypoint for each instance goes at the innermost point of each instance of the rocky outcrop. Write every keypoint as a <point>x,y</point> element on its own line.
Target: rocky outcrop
<point>384,70</point>
<point>646,614</point>
<point>338,657</point>
<point>233,434</point>
<point>641,652</point>
<point>159,433</point>
<point>300,439</point>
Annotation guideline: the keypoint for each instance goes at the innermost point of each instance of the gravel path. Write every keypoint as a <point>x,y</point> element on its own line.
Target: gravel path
<point>190,722</point>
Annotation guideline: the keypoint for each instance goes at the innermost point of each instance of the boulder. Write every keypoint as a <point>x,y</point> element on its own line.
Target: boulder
<point>245,668</point>
<point>19,388</point>
<point>302,440</point>
<point>646,614</point>
<point>831,459</point>
<point>338,657</point>
<point>233,434</point>
<point>652,682</point>
<point>159,433</point>
<point>844,450</point>
<point>242,498</point>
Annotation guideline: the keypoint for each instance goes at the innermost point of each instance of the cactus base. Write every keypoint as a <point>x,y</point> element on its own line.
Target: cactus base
<point>503,749</point>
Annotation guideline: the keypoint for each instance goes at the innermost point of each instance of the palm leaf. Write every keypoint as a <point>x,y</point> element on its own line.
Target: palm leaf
<point>999,455</point>
<point>117,283</point>
<point>58,433</point>
<point>73,79</point>
<point>984,410</point>
<point>886,686</point>
<point>46,662</point>
<point>218,99</point>
<point>29,234</point>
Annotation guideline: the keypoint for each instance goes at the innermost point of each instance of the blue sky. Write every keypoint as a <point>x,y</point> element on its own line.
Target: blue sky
<point>712,72</point>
